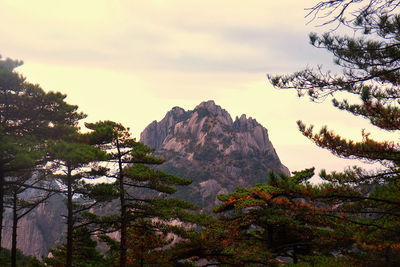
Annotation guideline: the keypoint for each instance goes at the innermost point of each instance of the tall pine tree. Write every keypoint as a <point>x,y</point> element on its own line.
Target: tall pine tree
<point>370,60</point>
<point>28,117</point>
<point>142,190</point>
<point>74,157</point>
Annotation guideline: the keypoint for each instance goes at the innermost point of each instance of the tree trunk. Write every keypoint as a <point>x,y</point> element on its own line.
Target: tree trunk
<point>387,258</point>
<point>14,232</point>
<point>70,221</point>
<point>269,233</point>
<point>123,248</point>
<point>2,184</point>
<point>141,256</point>
<point>295,259</point>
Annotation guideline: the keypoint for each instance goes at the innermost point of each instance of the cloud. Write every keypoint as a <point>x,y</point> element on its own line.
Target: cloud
<point>261,48</point>
<point>200,36</point>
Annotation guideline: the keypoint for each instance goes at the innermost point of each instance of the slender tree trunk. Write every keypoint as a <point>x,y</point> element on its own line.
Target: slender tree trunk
<point>2,184</point>
<point>269,233</point>
<point>14,232</point>
<point>141,257</point>
<point>295,259</point>
<point>387,259</point>
<point>123,248</point>
<point>70,222</point>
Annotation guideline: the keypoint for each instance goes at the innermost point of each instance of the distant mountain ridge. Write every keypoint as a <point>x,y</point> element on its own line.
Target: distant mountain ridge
<point>217,153</point>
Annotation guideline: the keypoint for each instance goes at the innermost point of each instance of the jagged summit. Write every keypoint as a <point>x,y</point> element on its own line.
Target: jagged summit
<point>217,153</point>
<point>212,108</point>
<point>156,132</point>
<point>207,119</point>
<point>210,104</point>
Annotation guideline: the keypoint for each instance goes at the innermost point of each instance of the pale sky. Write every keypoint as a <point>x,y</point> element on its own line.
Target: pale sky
<point>132,61</point>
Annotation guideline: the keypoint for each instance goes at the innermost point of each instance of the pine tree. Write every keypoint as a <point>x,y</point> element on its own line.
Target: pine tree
<point>368,201</point>
<point>75,158</point>
<point>142,190</point>
<point>278,219</point>
<point>28,116</point>
<point>21,206</point>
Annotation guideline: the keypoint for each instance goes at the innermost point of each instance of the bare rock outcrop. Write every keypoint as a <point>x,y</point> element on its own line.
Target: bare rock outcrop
<point>156,132</point>
<point>217,153</point>
<point>40,230</point>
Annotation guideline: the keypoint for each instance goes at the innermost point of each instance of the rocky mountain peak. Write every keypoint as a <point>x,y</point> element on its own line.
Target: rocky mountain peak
<point>217,153</point>
<point>210,105</point>
<point>176,112</point>
<point>244,124</point>
<point>156,132</point>
<point>212,109</point>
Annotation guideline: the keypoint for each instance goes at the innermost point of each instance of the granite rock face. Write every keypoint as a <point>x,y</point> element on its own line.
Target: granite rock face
<point>217,153</point>
<point>41,229</point>
<point>157,132</point>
